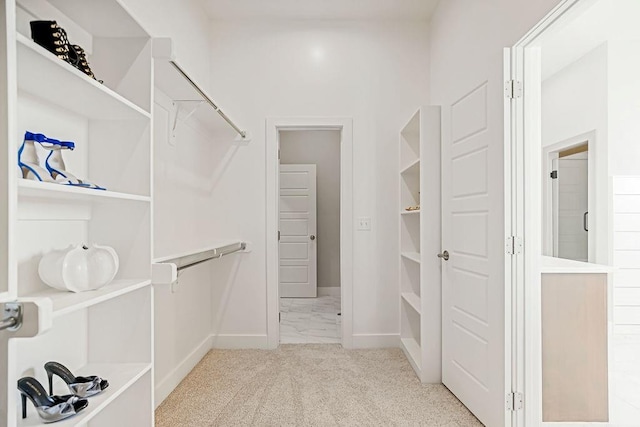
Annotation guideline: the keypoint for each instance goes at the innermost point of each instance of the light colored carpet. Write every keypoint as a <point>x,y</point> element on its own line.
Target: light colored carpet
<point>309,385</point>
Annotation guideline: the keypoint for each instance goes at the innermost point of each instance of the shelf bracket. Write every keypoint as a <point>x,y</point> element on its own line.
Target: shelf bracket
<point>179,105</point>
<point>11,317</point>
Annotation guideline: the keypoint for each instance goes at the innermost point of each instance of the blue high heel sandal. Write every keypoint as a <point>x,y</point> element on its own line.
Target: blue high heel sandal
<point>28,158</point>
<point>55,168</point>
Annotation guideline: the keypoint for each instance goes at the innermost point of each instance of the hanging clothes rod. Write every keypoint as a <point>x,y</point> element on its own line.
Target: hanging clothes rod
<point>208,100</point>
<point>209,255</point>
<point>164,271</point>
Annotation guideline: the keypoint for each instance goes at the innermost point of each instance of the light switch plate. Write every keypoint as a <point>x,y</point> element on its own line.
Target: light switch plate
<point>364,224</point>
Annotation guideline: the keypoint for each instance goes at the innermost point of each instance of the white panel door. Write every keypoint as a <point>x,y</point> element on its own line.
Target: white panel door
<point>473,361</point>
<point>298,222</point>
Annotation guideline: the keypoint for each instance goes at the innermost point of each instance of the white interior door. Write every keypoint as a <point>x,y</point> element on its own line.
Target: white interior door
<point>298,225</point>
<point>473,328</point>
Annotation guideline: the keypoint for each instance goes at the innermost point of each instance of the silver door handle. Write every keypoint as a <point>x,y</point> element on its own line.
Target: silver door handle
<point>444,255</point>
<point>312,237</point>
<point>585,221</point>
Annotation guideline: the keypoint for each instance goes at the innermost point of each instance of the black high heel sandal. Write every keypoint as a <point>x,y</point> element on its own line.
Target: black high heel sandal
<point>50,36</point>
<point>49,408</point>
<point>79,386</point>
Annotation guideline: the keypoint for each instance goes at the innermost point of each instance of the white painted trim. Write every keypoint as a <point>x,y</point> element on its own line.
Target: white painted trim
<point>376,341</point>
<point>273,127</point>
<point>329,291</point>
<point>511,346</point>
<point>165,386</point>
<point>229,341</point>
<point>526,162</point>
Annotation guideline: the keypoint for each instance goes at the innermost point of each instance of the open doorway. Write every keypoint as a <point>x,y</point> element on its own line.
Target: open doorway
<point>309,216</point>
<point>582,317</point>
<point>568,176</point>
<point>276,130</point>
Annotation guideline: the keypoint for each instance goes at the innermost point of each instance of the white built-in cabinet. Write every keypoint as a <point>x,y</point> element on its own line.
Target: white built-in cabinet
<point>107,332</point>
<point>420,238</point>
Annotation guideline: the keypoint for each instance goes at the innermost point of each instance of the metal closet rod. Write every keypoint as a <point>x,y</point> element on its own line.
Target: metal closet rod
<point>209,101</point>
<point>214,254</point>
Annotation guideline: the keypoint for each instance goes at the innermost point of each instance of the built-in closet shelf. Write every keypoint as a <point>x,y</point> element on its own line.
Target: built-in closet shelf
<point>412,169</point>
<point>51,191</point>
<point>43,75</point>
<point>412,256</point>
<point>121,376</point>
<point>419,283</point>
<point>412,350</point>
<point>413,300</point>
<point>68,302</point>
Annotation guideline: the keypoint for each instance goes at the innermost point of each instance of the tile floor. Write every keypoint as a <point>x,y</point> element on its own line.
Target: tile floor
<point>310,320</point>
<point>624,381</point>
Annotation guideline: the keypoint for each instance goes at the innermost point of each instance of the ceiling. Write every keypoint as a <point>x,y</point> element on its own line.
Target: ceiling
<point>374,10</point>
<point>587,26</point>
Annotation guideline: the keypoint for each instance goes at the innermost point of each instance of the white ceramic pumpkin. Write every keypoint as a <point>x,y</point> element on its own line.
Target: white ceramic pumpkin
<point>79,268</point>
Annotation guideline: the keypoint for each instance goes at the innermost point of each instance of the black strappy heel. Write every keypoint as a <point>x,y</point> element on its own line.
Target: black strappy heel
<point>49,408</point>
<point>79,386</point>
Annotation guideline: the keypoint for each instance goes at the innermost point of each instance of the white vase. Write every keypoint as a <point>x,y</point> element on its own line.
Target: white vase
<point>79,268</point>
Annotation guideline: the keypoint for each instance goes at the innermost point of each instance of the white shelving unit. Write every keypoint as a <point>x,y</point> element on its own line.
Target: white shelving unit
<point>108,332</point>
<point>420,237</point>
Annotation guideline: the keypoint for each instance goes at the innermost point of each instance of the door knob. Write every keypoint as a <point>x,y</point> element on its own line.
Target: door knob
<point>444,255</point>
<point>312,237</point>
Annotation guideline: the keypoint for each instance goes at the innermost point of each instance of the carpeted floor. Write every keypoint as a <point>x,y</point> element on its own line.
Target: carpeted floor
<point>309,385</point>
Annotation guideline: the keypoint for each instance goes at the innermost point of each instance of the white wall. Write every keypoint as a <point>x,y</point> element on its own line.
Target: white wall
<point>375,73</point>
<point>575,102</point>
<point>186,22</point>
<point>624,107</point>
<point>321,148</point>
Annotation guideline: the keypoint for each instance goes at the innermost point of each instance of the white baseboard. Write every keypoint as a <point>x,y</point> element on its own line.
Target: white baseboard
<point>240,341</point>
<point>328,291</point>
<point>375,340</point>
<point>164,387</point>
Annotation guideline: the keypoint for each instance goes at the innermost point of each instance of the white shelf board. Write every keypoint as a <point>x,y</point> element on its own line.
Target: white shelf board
<point>412,168</point>
<point>43,75</point>
<point>48,190</point>
<point>121,376</point>
<point>413,300</point>
<point>412,256</point>
<point>68,302</point>
<point>412,350</point>
<point>410,213</point>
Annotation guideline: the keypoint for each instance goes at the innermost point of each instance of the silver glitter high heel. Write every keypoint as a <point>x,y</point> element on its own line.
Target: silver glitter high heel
<point>49,408</point>
<point>80,386</point>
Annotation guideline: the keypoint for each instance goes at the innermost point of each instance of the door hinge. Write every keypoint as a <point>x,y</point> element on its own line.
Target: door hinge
<point>279,317</point>
<point>278,154</point>
<point>278,235</point>
<point>554,175</point>
<point>512,89</point>
<point>513,245</point>
<point>515,401</point>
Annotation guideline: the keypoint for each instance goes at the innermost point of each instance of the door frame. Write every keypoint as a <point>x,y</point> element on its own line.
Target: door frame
<point>273,128</point>
<point>523,163</point>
